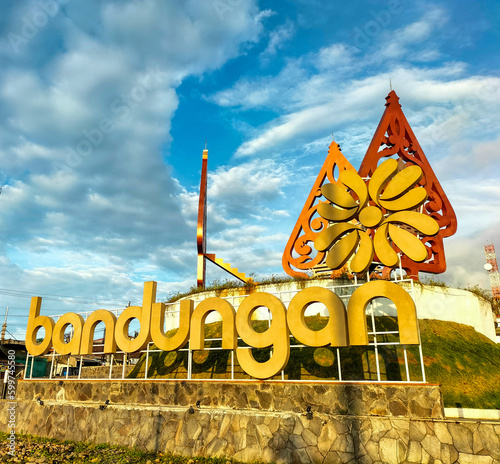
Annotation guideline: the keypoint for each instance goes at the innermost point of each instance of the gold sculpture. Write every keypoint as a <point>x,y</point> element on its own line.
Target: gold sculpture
<point>356,212</point>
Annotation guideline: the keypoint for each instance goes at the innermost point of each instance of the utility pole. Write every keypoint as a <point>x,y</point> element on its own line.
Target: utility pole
<point>4,327</point>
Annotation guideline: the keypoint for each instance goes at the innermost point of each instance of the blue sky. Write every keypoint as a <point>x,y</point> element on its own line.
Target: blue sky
<point>106,105</point>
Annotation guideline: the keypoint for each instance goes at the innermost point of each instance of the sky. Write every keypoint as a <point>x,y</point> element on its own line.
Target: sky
<point>106,105</point>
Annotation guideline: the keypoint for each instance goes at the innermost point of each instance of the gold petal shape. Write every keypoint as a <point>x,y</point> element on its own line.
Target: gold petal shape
<point>409,200</point>
<point>402,182</point>
<point>385,253</point>
<point>325,238</point>
<point>380,178</point>
<point>338,195</point>
<point>423,223</point>
<point>371,216</point>
<point>342,250</point>
<point>353,181</point>
<point>364,255</point>
<point>327,211</point>
<point>410,245</point>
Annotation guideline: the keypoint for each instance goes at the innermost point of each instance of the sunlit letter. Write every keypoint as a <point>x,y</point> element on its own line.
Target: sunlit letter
<point>334,333</point>
<point>138,343</point>
<point>35,321</point>
<point>407,314</point>
<point>276,336</point>
<point>226,310</point>
<point>181,336</point>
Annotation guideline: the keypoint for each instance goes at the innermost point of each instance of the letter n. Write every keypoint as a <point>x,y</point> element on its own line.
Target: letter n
<point>95,318</point>
<point>226,310</point>
<point>405,306</point>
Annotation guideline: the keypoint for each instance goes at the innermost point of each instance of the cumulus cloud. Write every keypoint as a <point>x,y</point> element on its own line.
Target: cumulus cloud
<point>87,111</point>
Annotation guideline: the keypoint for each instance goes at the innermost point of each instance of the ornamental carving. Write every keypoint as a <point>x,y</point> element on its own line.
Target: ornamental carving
<point>392,213</point>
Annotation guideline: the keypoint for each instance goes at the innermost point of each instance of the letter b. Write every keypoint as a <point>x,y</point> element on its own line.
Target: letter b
<point>35,321</point>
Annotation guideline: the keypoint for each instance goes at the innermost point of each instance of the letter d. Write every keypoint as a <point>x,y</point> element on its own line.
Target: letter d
<point>124,342</point>
<point>35,321</point>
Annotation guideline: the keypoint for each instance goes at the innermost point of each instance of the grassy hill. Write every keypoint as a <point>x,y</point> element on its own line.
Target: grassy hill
<point>464,362</point>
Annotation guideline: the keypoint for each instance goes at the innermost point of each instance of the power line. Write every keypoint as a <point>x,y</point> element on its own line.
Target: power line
<point>53,297</point>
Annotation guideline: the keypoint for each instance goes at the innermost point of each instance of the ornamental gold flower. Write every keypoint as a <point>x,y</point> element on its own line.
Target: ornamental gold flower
<point>351,216</point>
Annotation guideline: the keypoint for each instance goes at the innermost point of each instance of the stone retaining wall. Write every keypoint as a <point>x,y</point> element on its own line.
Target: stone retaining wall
<point>159,417</point>
<point>415,400</point>
<point>102,372</point>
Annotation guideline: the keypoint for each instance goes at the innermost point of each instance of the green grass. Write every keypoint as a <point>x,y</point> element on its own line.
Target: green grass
<point>30,448</point>
<point>464,362</point>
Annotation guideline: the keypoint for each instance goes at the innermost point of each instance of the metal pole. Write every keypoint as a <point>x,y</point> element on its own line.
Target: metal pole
<point>406,364</point>
<point>4,327</point>
<point>147,362</point>
<point>422,363</point>
<point>67,367</point>
<point>52,364</point>
<point>31,370</point>
<point>190,360</point>
<point>124,362</point>
<point>375,341</point>
<point>26,366</point>
<point>339,365</point>
<point>80,367</point>
<point>111,366</point>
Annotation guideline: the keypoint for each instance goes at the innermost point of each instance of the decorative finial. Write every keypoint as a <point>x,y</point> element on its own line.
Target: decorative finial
<point>392,99</point>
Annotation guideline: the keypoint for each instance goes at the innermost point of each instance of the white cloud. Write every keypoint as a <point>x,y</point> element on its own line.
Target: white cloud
<point>87,109</point>
<point>277,38</point>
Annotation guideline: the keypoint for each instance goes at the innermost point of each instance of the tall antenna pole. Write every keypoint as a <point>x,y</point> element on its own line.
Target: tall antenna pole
<point>4,327</point>
<point>492,267</point>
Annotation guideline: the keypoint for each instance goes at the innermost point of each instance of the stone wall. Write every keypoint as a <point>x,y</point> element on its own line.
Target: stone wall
<point>102,372</point>
<point>267,421</point>
<point>414,400</point>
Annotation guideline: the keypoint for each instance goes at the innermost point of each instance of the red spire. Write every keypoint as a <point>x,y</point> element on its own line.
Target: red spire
<point>395,138</point>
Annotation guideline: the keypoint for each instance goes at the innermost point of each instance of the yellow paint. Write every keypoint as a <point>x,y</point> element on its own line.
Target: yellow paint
<point>73,345</point>
<point>35,321</point>
<point>352,180</point>
<point>403,181</point>
<point>410,245</point>
<point>226,310</point>
<point>330,235</point>
<point>336,214</point>
<point>109,320</point>
<point>276,336</point>
<point>342,250</point>
<point>338,195</point>
<point>410,200</point>
<point>158,320</point>
<point>405,306</point>
<point>424,224</point>
<point>334,333</point>
<point>364,255</point>
<point>381,177</point>
<point>385,253</point>
<point>343,327</point>
<point>370,217</point>
<point>124,342</point>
